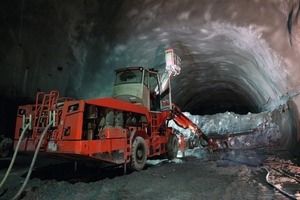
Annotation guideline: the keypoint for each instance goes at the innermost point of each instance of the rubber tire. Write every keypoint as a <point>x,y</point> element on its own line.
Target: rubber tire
<point>3,153</point>
<point>139,154</point>
<point>190,143</point>
<point>172,147</point>
<point>193,142</point>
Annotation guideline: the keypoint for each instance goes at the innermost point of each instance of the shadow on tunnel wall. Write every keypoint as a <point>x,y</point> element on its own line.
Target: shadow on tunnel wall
<point>8,114</point>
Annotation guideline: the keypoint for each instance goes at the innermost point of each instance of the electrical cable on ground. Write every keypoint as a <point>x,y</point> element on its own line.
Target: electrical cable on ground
<point>33,160</point>
<point>14,156</point>
<point>267,168</point>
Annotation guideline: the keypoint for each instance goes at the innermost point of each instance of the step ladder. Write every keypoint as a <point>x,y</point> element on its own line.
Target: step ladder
<point>154,126</point>
<point>45,106</point>
<point>154,132</point>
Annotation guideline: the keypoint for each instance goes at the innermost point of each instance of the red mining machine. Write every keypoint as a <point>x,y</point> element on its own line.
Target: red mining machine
<point>125,129</point>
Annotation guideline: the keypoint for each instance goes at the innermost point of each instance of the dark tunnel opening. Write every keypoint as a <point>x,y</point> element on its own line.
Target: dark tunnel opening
<point>213,96</point>
<point>217,88</point>
<point>220,101</point>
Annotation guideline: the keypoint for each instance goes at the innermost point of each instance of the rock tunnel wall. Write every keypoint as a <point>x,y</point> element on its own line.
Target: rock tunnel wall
<point>237,55</point>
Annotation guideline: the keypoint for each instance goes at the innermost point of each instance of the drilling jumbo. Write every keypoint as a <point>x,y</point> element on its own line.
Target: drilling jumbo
<point>127,128</point>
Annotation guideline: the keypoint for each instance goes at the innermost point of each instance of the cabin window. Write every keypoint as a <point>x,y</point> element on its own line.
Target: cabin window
<point>129,76</point>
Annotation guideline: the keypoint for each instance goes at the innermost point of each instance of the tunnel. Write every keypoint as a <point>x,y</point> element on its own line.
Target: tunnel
<point>237,56</point>
<point>232,60</point>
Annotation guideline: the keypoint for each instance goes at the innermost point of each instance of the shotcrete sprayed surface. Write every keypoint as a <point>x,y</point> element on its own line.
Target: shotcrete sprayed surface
<point>226,50</point>
<point>242,63</point>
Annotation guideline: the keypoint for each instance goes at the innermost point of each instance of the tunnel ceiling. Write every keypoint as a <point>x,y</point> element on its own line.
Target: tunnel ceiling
<point>237,55</point>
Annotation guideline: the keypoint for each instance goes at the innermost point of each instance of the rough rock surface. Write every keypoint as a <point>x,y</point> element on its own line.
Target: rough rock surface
<point>224,175</point>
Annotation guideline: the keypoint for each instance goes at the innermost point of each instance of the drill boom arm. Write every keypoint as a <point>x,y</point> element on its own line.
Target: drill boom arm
<point>183,121</point>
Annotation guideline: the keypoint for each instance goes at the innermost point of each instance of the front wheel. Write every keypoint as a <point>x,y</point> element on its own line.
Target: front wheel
<point>193,142</point>
<point>139,154</point>
<point>172,147</point>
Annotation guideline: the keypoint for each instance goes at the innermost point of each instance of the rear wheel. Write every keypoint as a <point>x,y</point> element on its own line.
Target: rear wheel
<point>139,154</point>
<point>3,153</point>
<point>5,146</point>
<point>172,147</point>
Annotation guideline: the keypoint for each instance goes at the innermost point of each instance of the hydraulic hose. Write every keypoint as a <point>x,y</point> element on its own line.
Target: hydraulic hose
<point>276,187</point>
<point>33,160</point>
<point>14,156</point>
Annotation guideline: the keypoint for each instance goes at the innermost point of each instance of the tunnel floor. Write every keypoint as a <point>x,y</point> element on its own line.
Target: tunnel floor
<point>232,174</point>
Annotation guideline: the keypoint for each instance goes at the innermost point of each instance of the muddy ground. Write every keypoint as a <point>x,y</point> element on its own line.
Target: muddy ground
<point>234,174</point>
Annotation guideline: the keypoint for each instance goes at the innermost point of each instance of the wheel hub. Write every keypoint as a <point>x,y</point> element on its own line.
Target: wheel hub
<point>139,154</point>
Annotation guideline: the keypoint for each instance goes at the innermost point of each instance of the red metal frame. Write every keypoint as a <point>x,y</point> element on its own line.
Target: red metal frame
<point>73,134</point>
<point>66,137</point>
